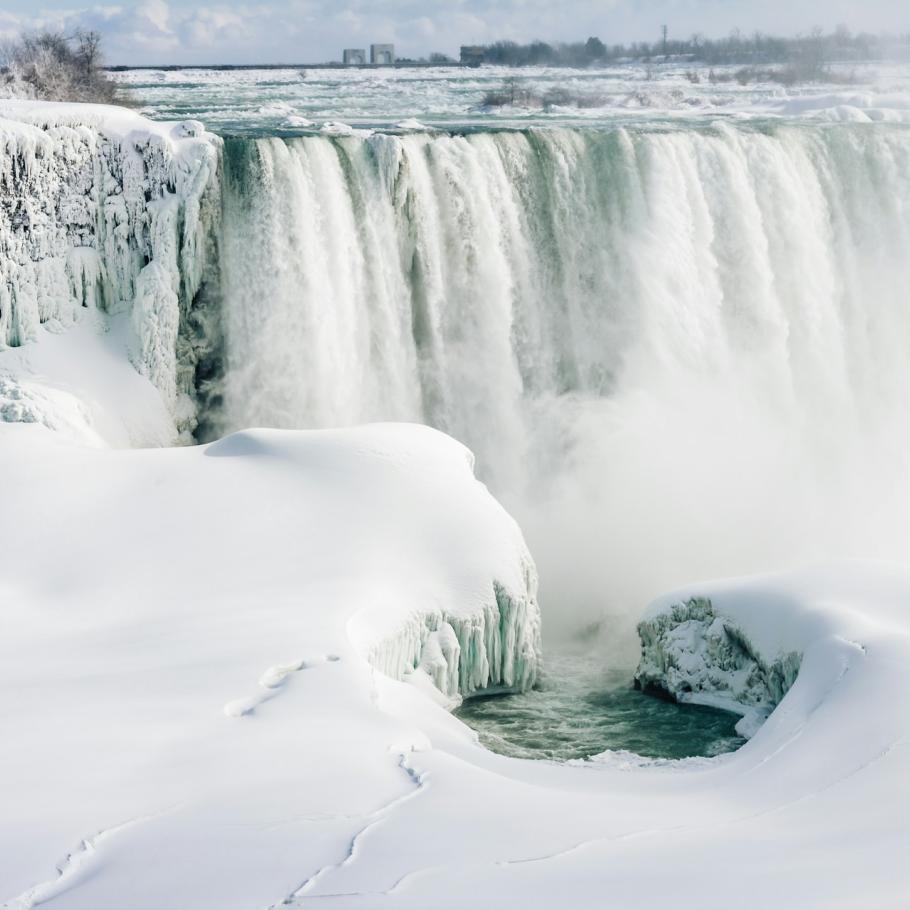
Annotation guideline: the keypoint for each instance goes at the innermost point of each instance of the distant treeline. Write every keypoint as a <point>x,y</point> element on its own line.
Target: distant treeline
<point>813,49</point>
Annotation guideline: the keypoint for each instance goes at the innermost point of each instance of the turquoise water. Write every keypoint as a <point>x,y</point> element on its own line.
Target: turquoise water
<point>580,709</point>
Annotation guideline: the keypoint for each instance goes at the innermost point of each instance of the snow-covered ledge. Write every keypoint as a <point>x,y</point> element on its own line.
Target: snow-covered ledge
<point>470,622</point>
<point>102,209</point>
<point>487,638</point>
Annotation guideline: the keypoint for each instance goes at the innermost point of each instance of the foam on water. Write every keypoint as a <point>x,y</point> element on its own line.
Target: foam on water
<point>581,709</point>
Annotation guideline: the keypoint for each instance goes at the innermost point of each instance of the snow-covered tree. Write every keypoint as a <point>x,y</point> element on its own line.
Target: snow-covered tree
<point>54,67</point>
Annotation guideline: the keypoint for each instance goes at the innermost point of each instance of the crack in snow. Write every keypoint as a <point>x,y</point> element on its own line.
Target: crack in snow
<point>374,819</point>
<point>566,851</point>
<point>71,868</point>
<point>348,858</point>
<point>831,785</point>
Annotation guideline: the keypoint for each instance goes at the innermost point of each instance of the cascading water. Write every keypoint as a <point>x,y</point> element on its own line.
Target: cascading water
<point>597,313</point>
<point>677,350</point>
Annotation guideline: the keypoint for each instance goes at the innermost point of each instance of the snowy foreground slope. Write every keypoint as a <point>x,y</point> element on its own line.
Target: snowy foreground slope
<point>191,717</point>
<point>190,646</point>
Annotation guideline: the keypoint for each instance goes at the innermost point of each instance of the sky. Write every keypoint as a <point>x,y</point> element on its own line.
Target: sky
<point>309,31</point>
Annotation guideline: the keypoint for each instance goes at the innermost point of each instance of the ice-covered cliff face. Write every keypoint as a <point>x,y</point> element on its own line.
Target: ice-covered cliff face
<point>102,209</point>
<point>496,648</point>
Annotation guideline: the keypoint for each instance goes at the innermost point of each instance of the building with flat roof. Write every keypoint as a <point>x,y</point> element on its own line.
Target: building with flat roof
<point>472,54</point>
<point>382,53</point>
<point>354,56</point>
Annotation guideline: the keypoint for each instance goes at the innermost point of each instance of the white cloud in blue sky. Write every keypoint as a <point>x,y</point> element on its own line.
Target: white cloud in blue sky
<point>196,31</point>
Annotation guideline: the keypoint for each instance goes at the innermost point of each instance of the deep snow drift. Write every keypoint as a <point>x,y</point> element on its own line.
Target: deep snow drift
<point>171,594</point>
<point>189,675</point>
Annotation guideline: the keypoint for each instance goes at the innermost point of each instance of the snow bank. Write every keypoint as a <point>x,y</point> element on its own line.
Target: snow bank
<point>224,573</point>
<point>81,384</point>
<point>103,209</point>
<point>482,636</point>
<point>848,106</point>
<point>198,661</point>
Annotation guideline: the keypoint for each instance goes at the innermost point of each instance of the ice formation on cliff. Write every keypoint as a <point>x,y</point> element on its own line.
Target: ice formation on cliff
<point>692,653</point>
<point>495,648</point>
<point>102,209</point>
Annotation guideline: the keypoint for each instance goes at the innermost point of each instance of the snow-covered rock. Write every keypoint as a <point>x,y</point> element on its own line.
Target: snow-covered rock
<point>691,653</point>
<point>103,209</point>
<point>295,120</point>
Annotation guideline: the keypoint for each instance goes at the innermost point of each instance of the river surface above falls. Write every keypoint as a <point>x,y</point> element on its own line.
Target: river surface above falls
<point>292,101</point>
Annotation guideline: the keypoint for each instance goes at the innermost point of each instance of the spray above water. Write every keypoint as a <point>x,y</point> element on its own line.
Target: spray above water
<point>676,352</point>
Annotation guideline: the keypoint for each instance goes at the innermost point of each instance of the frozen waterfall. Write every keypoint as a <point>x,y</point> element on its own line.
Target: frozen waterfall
<point>595,312</point>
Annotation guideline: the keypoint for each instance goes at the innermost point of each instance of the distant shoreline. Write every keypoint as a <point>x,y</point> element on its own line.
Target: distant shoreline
<point>455,65</point>
<point>170,67</point>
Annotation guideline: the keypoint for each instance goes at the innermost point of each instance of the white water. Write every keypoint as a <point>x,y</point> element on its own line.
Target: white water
<point>286,101</point>
<point>675,352</point>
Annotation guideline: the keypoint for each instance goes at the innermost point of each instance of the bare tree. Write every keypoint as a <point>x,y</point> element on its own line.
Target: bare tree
<point>89,49</point>
<point>53,67</point>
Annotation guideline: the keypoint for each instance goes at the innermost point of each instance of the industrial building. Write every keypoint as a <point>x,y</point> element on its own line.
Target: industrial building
<point>382,53</point>
<point>354,56</point>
